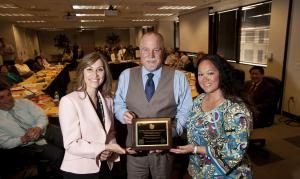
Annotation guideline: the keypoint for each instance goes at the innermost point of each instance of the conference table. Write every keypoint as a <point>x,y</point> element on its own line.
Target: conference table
<point>41,86</point>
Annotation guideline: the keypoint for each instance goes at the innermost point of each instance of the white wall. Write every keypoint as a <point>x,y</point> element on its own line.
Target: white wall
<point>193,33</point>
<point>278,26</point>
<point>26,42</point>
<point>166,29</point>
<point>292,83</point>
<point>6,33</point>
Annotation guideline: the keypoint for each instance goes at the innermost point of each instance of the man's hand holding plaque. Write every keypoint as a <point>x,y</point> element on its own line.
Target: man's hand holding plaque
<point>128,117</point>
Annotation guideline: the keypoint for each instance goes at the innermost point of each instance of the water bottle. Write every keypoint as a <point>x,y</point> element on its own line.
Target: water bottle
<point>56,98</point>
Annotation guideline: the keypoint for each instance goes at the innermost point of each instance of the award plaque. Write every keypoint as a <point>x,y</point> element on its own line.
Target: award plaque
<point>151,134</point>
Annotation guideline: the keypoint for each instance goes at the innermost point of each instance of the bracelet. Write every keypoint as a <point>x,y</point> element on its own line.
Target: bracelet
<point>195,150</point>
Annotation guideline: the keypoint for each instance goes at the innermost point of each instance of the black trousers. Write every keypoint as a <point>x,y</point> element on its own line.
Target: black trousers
<point>45,156</point>
<point>104,173</point>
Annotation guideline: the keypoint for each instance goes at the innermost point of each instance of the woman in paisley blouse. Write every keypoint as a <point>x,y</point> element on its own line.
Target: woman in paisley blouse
<point>219,124</point>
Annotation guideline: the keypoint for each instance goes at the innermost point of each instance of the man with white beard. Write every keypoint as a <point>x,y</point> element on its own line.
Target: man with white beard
<point>152,91</point>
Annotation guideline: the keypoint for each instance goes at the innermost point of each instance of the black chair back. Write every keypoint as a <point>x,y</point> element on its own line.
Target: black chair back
<point>30,64</point>
<point>276,83</point>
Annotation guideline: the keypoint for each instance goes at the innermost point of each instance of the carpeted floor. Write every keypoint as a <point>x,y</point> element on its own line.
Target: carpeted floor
<point>280,157</point>
<point>294,140</point>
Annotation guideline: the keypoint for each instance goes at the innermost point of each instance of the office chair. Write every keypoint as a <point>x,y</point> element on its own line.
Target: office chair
<point>269,112</point>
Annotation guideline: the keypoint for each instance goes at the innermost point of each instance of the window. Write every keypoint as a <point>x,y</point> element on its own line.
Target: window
<point>255,20</point>
<point>226,34</point>
<point>241,34</point>
<point>249,36</point>
<point>261,36</point>
<point>248,54</point>
<point>260,56</point>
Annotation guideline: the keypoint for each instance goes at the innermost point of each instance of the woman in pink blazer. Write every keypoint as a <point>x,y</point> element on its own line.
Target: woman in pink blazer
<point>86,120</point>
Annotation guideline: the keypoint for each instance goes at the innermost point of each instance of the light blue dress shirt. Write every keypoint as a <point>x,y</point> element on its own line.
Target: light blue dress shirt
<point>10,129</point>
<point>182,94</point>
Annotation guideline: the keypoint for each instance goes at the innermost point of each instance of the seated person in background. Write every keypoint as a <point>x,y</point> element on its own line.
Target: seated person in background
<point>106,53</point>
<point>45,62</point>
<point>121,53</point>
<point>22,68</point>
<point>38,64</point>
<point>114,55</point>
<point>182,57</point>
<point>23,131</point>
<point>185,63</point>
<point>188,65</point>
<point>263,95</point>
<point>172,59</point>
<point>130,53</point>
<point>67,56</point>
<point>11,77</point>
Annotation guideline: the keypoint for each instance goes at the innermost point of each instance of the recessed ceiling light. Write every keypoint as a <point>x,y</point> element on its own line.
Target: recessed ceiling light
<point>41,21</point>
<point>146,27</point>
<point>142,20</point>
<point>91,20</point>
<point>14,14</point>
<point>89,15</point>
<point>50,29</point>
<point>157,14</point>
<point>88,27</point>
<point>8,6</point>
<point>177,7</point>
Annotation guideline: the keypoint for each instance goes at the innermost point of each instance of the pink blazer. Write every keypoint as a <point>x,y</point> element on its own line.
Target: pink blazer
<point>83,134</point>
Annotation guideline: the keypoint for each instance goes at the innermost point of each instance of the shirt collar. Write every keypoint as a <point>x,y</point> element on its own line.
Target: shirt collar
<point>156,72</point>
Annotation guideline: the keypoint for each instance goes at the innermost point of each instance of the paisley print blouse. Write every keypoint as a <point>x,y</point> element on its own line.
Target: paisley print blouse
<point>224,131</point>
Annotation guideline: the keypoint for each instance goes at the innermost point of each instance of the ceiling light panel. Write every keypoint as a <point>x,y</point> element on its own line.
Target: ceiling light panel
<point>15,14</point>
<point>157,14</point>
<point>89,15</point>
<point>91,20</point>
<point>41,21</point>
<point>176,7</point>
<point>90,7</point>
<point>8,6</point>
<point>88,27</point>
<point>51,29</point>
<point>142,20</point>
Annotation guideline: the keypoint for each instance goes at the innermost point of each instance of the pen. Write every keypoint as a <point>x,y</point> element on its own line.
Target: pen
<point>29,90</point>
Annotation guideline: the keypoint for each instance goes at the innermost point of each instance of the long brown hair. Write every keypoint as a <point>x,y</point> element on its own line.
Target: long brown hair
<point>106,87</point>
